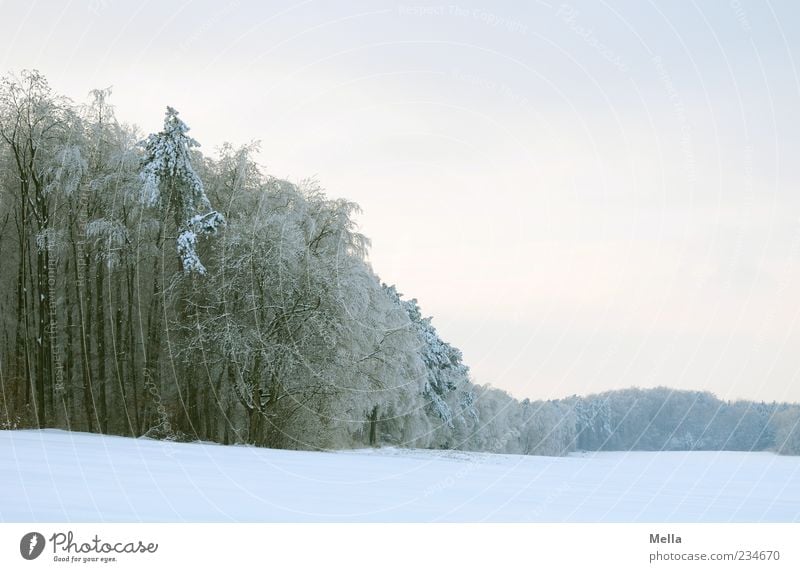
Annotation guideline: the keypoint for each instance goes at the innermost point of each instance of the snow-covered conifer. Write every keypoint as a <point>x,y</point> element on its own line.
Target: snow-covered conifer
<point>170,182</point>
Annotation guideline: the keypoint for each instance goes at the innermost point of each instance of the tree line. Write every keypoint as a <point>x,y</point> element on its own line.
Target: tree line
<point>152,290</point>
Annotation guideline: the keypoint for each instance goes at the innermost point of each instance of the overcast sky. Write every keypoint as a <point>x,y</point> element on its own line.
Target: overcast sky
<point>585,195</point>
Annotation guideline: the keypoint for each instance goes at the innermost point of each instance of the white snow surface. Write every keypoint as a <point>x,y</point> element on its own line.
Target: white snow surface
<point>58,476</point>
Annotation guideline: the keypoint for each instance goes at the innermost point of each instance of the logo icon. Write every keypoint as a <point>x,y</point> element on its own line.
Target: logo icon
<point>31,545</point>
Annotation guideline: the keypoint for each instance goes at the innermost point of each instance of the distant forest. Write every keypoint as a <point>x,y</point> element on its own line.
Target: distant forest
<point>151,290</point>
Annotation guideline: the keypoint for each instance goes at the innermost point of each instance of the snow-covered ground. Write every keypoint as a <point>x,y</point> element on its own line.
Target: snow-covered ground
<point>61,476</point>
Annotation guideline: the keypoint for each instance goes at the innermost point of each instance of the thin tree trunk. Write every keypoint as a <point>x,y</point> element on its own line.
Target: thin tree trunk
<point>100,346</point>
<point>123,351</point>
<point>42,337</point>
<point>155,321</point>
<point>69,361</point>
<point>88,394</point>
<point>131,346</point>
<point>373,427</point>
<point>153,342</point>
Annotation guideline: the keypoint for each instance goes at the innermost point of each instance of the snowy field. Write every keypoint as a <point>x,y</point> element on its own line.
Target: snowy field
<point>60,476</point>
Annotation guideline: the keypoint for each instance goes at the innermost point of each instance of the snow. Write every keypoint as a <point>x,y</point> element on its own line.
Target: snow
<point>61,476</point>
<point>168,156</point>
<point>187,251</point>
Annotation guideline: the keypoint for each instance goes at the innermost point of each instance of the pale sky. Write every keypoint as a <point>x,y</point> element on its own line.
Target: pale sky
<point>585,195</point>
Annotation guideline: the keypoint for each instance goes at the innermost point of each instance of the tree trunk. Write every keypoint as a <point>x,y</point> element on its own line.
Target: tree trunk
<point>373,427</point>
<point>152,347</point>
<point>69,353</point>
<point>121,353</point>
<point>131,347</point>
<point>88,394</point>
<point>100,345</point>
<point>42,337</point>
